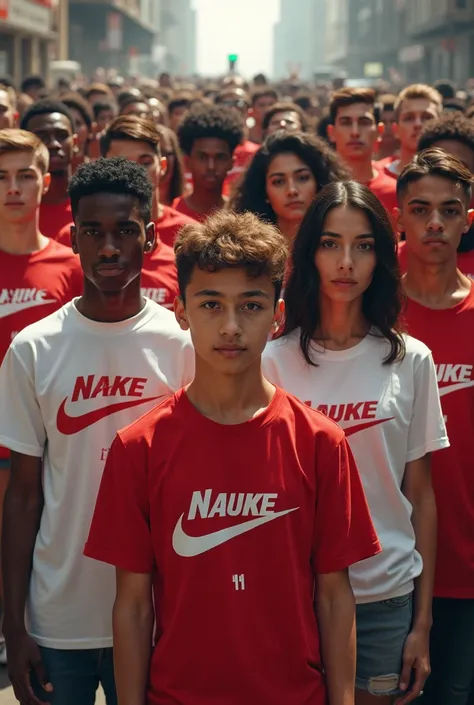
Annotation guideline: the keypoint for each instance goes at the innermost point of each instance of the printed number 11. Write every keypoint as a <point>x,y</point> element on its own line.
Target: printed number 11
<point>239,581</point>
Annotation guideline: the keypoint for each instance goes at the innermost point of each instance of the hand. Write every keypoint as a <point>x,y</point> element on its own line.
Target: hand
<point>416,657</point>
<point>24,656</point>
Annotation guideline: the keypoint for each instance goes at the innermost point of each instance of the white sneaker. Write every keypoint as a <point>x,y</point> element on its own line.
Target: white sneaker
<point>3,654</point>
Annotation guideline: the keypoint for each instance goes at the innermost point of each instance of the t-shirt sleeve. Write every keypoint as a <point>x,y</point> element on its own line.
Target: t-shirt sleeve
<point>21,421</point>
<point>120,529</point>
<point>343,530</point>
<point>427,429</point>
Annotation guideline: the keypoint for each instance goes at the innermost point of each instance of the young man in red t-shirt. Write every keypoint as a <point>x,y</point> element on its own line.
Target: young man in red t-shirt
<point>37,275</point>
<point>209,136</point>
<point>415,106</point>
<point>52,122</point>
<point>262,99</point>
<point>434,192</point>
<point>354,132</point>
<point>232,511</point>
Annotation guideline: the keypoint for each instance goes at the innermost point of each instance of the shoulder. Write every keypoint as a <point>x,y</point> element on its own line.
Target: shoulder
<point>164,323</point>
<point>310,421</point>
<point>42,333</point>
<point>287,345</point>
<point>142,431</point>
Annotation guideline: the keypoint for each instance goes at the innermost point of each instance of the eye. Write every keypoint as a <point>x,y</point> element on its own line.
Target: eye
<point>91,232</point>
<point>27,176</point>
<point>328,244</point>
<point>366,246</point>
<point>210,305</point>
<point>418,210</point>
<point>451,211</point>
<point>252,306</point>
<point>303,178</point>
<point>277,182</point>
<point>127,231</point>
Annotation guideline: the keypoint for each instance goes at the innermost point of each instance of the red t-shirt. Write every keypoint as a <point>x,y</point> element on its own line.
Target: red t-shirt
<point>159,279</point>
<point>180,205</point>
<point>385,188</point>
<point>31,287</point>
<point>465,260</point>
<point>53,218</point>
<point>243,155</point>
<point>170,223</point>
<point>449,333</point>
<point>234,545</point>
<point>384,165</point>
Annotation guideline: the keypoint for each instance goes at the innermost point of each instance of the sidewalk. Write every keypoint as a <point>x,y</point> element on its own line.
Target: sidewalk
<point>6,692</point>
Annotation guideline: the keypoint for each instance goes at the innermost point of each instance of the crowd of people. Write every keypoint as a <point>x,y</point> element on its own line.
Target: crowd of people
<point>236,392</point>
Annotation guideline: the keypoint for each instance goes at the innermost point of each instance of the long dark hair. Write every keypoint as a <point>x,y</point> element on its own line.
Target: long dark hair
<point>382,301</point>
<point>251,194</point>
<point>176,184</point>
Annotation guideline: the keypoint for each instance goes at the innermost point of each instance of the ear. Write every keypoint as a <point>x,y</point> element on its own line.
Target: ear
<point>470,215</point>
<point>74,239</point>
<point>278,316</point>
<point>46,183</point>
<point>380,129</point>
<point>163,166</point>
<point>330,132</point>
<point>397,218</point>
<point>395,129</point>
<point>180,313</point>
<point>150,238</point>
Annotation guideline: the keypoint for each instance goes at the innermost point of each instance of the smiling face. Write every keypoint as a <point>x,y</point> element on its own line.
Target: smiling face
<point>22,186</point>
<point>434,216</point>
<point>56,132</point>
<point>229,315</point>
<point>345,258</point>
<point>290,187</point>
<point>110,237</point>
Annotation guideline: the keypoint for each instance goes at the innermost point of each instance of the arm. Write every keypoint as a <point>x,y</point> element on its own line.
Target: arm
<point>22,511</point>
<point>133,618</point>
<point>335,610</point>
<point>418,489</point>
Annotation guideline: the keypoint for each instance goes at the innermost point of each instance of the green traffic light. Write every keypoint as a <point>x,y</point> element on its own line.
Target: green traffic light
<point>233,58</point>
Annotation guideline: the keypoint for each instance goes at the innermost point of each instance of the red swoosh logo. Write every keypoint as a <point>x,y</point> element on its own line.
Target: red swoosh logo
<point>68,425</point>
<point>362,426</point>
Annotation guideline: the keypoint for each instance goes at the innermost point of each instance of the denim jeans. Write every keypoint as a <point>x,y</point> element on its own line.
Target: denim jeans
<point>76,676</point>
<point>452,653</point>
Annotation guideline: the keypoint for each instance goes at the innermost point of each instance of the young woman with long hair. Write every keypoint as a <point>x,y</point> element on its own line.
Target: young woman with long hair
<point>172,184</point>
<point>343,352</point>
<point>284,177</point>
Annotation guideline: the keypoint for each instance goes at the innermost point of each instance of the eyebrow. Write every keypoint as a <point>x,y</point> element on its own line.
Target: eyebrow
<point>328,233</point>
<point>281,173</point>
<point>96,223</point>
<point>253,293</point>
<point>423,202</point>
<point>25,170</point>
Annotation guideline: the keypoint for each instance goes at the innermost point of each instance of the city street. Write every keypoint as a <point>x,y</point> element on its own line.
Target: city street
<point>6,691</point>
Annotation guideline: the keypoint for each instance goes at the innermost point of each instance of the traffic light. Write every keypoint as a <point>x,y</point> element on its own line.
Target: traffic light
<point>233,58</point>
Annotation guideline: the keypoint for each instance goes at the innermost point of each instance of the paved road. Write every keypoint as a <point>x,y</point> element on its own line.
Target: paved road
<point>6,693</point>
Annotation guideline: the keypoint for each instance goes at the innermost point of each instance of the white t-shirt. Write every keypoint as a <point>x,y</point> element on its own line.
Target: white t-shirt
<point>67,385</point>
<point>391,415</point>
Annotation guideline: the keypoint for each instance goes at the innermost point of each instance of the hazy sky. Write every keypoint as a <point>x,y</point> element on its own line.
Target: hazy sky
<point>243,27</point>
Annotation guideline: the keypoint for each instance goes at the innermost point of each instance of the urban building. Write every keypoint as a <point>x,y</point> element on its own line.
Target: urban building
<point>299,39</point>
<point>26,37</point>
<point>110,33</point>
<point>401,40</point>
<point>177,39</point>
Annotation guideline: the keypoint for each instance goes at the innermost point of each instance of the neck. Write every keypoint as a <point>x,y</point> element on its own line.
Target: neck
<point>288,229</point>
<point>22,238</point>
<point>406,155</point>
<point>256,134</point>
<point>435,285</point>
<point>164,195</point>
<point>342,324</point>
<point>113,307</point>
<point>157,208</point>
<point>362,170</point>
<point>58,191</point>
<point>203,201</point>
<point>229,399</point>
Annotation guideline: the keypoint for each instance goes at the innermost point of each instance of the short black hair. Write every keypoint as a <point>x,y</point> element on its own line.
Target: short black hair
<point>446,88</point>
<point>8,81</point>
<point>76,101</point>
<point>211,121</point>
<point>130,100</point>
<point>435,162</point>
<point>112,175</point>
<point>285,108</point>
<point>449,126</point>
<point>45,107</point>
<point>33,81</point>
<point>102,105</point>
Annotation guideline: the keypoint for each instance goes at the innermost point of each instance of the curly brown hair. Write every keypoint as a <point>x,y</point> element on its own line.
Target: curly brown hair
<point>230,240</point>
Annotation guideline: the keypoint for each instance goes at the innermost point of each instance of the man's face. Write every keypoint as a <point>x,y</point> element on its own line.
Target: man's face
<point>55,130</point>
<point>230,316</point>
<point>22,186</point>
<point>110,237</point>
<point>413,116</point>
<point>209,162</point>
<point>261,107</point>
<point>8,114</point>
<point>141,153</point>
<point>434,216</point>
<point>354,132</point>
<point>286,120</point>
<point>177,115</point>
<point>80,128</point>
<point>104,118</point>
<point>235,98</point>
<point>139,109</point>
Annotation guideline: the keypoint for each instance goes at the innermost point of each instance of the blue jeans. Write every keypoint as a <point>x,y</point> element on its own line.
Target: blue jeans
<point>76,675</point>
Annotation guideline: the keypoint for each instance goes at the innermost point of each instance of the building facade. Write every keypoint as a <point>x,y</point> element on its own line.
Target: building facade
<point>26,37</point>
<point>178,38</point>
<point>110,33</point>
<point>401,40</point>
<point>299,39</point>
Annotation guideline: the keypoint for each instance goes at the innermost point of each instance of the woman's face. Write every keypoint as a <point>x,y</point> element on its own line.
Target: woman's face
<point>290,187</point>
<point>345,258</point>
<point>168,152</point>
<point>80,128</point>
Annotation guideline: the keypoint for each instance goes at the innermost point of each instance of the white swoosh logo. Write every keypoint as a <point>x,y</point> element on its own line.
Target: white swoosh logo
<point>454,388</point>
<point>9,309</point>
<point>188,546</point>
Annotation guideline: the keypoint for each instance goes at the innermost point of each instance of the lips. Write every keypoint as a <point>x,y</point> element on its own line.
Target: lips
<point>15,203</point>
<point>230,351</point>
<point>344,283</point>
<point>295,204</point>
<point>434,241</point>
<point>110,270</point>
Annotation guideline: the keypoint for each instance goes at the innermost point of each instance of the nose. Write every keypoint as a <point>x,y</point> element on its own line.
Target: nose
<point>230,327</point>
<point>435,224</point>
<point>292,190</point>
<point>13,186</point>
<point>355,128</point>
<point>211,164</point>
<point>108,246</point>
<point>346,260</point>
